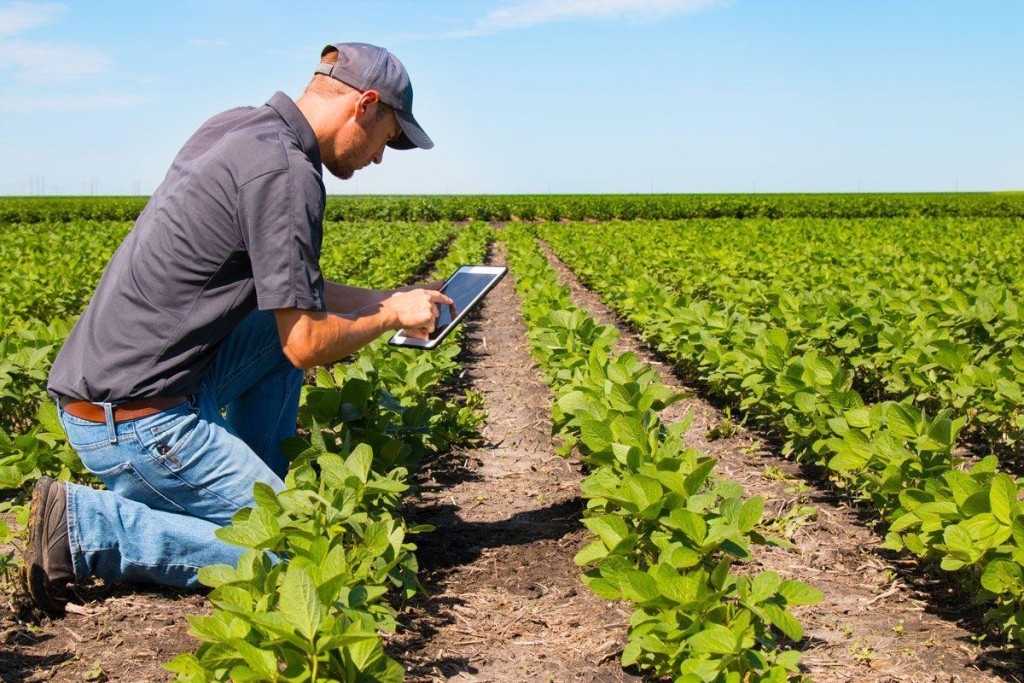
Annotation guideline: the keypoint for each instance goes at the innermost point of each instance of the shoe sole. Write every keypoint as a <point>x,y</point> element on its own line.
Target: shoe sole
<point>34,574</point>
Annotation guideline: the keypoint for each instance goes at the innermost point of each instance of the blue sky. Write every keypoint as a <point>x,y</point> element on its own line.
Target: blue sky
<point>537,96</point>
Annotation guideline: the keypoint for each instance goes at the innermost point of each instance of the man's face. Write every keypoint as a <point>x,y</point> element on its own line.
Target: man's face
<point>362,143</point>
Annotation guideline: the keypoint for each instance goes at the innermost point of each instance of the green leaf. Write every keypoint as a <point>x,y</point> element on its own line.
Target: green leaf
<point>47,416</point>
<point>962,485</point>
<point>789,660</point>
<point>266,497</point>
<point>601,587</point>
<point>696,479</point>
<point>681,557</point>
<point>750,513</point>
<point>631,653</point>
<point>644,492</point>
<point>639,587</point>
<point>386,485</point>
<point>376,537</point>
<point>260,530</point>
<point>783,620</point>
<point>216,575</point>
<point>611,529</point>
<point>299,603</point>
<point>764,586</point>
<point>893,541</point>
<point>1002,577</point>
<point>673,586</point>
<point>629,431</point>
<point>316,437</point>
<point>188,666</point>
<point>590,554</point>
<point>799,593</point>
<point>690,523</point>
<point>277,626</point>
<point>360,461</point>
<point>904,420</point>
<point>260,660</point>
<point>334,472</point>
<point>595,435</point>
<point>1003,498</point>
<point>218,628</point>
<point>714,639</point>
<point>366,653</point>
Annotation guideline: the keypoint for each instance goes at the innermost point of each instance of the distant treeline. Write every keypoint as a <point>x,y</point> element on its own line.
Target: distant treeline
<point>572,207</point>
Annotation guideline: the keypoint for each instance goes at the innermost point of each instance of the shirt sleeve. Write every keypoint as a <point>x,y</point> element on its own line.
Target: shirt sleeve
<point>281,220</point>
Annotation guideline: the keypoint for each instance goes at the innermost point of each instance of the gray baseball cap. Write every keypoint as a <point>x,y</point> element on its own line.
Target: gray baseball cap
<point>368,67</point>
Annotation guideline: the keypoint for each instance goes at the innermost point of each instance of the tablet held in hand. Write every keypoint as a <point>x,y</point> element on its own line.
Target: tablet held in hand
<point>467,288</point>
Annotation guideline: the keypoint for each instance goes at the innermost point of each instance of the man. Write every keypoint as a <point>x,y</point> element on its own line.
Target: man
<point>183,374</point>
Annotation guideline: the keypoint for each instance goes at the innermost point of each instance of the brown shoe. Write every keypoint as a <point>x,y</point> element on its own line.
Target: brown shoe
<point>48,571</point>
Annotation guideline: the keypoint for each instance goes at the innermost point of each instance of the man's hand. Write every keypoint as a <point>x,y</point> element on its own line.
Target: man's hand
<point>416,310</point>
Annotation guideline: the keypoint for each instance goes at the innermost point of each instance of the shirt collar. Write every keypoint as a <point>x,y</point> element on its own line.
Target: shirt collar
<point>295,120</point>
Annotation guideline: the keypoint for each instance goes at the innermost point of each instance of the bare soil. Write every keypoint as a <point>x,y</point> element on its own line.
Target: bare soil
<point>503,600</point>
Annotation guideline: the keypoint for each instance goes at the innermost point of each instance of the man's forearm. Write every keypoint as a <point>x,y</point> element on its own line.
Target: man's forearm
<point>310,338</point>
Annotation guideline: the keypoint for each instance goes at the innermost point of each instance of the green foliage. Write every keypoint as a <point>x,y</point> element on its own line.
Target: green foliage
<point>573,207</point>
<point>867,347</point>
<point>305,604</point>
<point>673,207</point>
<point>667,532</point>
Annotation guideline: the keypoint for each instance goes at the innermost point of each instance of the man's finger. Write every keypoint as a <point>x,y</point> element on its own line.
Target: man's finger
<point>438,297</point>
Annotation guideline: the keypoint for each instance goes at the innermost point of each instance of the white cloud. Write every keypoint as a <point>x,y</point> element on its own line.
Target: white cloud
<point>39,62</point>
<point>20,104</point>
<point>19,17</point>
<point>32,61</point>
<point>518,14</point>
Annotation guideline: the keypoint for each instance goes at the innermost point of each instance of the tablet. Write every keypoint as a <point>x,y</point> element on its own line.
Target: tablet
<point>467,287</point>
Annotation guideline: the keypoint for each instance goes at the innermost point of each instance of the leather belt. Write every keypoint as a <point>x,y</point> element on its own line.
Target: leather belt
<point>123,412</point>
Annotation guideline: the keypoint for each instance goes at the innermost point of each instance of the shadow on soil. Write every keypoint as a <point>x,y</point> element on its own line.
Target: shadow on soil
<point>457,542</point>
<point>17,668</point>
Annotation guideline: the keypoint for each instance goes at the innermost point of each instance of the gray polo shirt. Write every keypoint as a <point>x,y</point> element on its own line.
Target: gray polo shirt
<point>236,225</point>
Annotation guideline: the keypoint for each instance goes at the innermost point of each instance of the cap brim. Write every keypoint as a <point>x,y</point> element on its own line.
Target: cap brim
<point>412,134</point>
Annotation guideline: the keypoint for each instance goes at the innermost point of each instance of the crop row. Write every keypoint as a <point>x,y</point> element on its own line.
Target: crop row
<point>574,207</point>
<point>668,533</point>
<point>965,517</point>
<point>308,599</point>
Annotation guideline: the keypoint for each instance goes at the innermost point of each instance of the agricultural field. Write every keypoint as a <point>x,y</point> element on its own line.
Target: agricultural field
<point>689,438</point>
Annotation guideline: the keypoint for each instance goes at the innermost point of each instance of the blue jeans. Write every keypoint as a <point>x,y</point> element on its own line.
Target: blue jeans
<point>173,478</point>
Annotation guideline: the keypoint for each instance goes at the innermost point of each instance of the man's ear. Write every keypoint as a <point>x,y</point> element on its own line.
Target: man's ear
<point>367,102</point>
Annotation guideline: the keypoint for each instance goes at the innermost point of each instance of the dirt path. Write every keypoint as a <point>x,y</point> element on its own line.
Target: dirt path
<point>121,634</point>
<point>873,625</point>
<point>505,601</point>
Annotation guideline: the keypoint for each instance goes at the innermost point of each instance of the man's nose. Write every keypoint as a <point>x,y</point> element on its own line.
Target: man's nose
<point>378,157</point>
